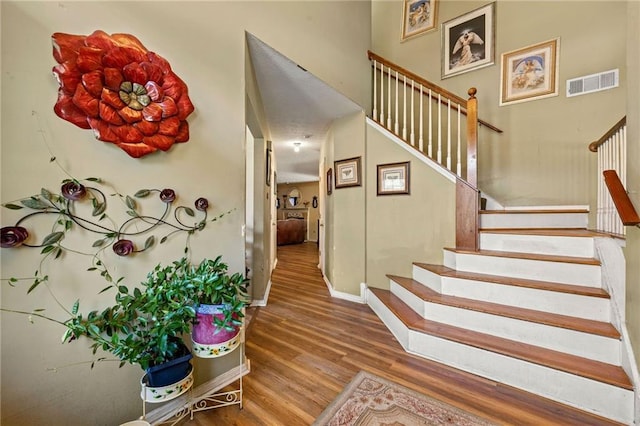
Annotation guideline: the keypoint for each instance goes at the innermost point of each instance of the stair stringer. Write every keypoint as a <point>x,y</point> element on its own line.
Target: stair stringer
<point>610,254</point>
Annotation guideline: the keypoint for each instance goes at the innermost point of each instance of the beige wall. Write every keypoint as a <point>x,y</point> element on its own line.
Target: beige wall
<point>205,44</point>
<point>308,191</point>
<point>345,218</point>
<point>632,251</point>
<point>402,229</point>
<point>558,161</point>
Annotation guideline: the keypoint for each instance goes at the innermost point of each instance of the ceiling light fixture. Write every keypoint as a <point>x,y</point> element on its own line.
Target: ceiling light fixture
<point>296,146</point>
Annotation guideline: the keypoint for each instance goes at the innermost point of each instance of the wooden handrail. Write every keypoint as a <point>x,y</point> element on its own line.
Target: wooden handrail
<point>621,200</point>
<point>593,146</point>
<point>425,83</point>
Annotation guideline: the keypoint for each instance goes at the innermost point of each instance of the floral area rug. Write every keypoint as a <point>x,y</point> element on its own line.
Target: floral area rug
<point>370,400</point>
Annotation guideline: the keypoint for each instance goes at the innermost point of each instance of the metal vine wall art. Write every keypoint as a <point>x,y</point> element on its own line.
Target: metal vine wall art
<point>83,205</point>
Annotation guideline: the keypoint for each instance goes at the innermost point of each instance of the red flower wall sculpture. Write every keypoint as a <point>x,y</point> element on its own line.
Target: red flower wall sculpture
<point>126,94</point>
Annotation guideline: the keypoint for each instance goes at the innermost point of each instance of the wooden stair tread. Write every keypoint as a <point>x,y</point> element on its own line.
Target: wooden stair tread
<point>536,211</point>
<point>530,256</point>
<point>517,282</point>
<point>595,370</point>
<point>562,321</point>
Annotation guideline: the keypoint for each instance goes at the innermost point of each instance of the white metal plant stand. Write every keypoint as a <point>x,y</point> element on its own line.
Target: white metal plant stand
<point>207,396</point>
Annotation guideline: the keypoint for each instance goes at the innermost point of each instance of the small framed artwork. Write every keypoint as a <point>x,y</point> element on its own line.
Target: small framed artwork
<point>267,167</point>
<point>529,73</point>
<point>393,178</point>
<point>329,181</point>
<point>347,172</point>
<point>275,183</point>
<point>468,41</point>
<point>418,17</point>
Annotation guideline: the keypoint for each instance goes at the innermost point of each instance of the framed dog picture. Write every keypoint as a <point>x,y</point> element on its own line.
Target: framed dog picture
<point>468,41</point>
<point>347,172</point>
<point>418,17</point>
<point>530,73</point>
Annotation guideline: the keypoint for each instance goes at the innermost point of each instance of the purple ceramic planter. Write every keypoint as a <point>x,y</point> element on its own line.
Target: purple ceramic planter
<point>204,330</point>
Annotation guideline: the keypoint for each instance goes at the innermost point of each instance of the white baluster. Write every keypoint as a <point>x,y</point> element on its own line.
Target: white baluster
<point>623,159</point>
<point>600,180</point>
<point>397,124</point>
<point>413,135</point>
<point>459,151</point>
<point>404,109</point>
<point>389,100</point>
<point>430,149</point>
<point>421,139</point>
<point>375,89</point>
<point>381,119</point>
<point>449,134</point>
<point>439,159</point>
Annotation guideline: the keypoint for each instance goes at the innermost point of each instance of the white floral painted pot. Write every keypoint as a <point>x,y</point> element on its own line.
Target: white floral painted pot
<point>215,349</point>
<point>165,393</point>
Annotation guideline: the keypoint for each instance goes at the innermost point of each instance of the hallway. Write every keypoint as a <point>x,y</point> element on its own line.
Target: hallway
<point>305,346</point>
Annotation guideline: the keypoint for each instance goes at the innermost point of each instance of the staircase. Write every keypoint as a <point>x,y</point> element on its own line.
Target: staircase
<point>527,310</point>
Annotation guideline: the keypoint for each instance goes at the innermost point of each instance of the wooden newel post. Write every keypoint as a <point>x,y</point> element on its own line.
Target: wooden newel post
<point>467,194</point>
<point>472,137</point>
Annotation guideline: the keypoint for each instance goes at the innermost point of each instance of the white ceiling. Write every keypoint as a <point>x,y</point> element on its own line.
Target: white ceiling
<point>298,108</point>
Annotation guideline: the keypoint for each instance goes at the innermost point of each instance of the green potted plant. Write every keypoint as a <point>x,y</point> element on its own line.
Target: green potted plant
<point>145,325</point>
<point>221,298</point>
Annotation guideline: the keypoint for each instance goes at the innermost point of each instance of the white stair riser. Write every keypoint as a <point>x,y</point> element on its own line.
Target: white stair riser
<point>533,220</point>
<point>585,394</point>
<point>586,307</point>
<point>572,342</point>
<point>560,272</point>
<point>539,244</point>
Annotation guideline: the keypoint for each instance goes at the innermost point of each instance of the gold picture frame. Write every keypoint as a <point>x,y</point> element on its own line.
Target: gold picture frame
<point>347,173</point>
<point>530,73</point>
<point>418,17</point>
<point>393,178</point>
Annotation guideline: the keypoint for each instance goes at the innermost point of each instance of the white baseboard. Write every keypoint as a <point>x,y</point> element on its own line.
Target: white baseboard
<point>362,298</point>
<point>263,301</point>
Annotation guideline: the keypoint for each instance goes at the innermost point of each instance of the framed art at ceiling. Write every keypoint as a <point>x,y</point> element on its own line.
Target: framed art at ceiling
<point>468,41</point>
<point>393,178</point>
<point>418,17</point>
<point>267,167</point>
<point>529,73</point>
<point>347,172</point>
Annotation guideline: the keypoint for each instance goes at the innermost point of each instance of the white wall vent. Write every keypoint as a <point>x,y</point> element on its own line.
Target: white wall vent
<point>593,83</point>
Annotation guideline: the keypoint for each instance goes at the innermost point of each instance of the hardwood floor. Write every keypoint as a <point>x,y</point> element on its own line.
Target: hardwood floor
<point>305,347</point>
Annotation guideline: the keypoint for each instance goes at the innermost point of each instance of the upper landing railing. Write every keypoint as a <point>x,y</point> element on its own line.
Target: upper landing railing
<point>615,210</point>
<point>438,123</point>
